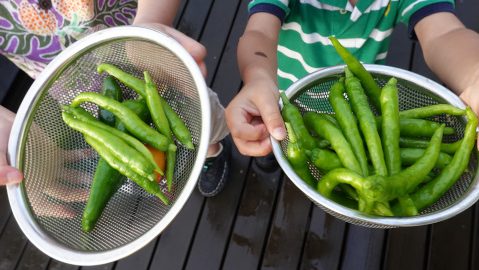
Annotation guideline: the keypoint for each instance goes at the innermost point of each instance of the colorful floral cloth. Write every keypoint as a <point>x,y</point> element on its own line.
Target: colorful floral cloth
<point>33,32</point>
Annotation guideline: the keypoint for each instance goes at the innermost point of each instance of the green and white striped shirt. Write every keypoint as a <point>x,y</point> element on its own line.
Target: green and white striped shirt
<point>364,29</point>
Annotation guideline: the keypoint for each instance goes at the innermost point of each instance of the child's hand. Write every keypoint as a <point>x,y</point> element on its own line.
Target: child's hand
<point>8,174</point>
<point>253,115</point>
<point>471,97</point>
<point>193,47</point>
<point>52,188</point>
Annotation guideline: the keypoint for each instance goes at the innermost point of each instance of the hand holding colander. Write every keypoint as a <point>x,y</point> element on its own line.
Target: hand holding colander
<point>133,217</point>
<point>311,94</point>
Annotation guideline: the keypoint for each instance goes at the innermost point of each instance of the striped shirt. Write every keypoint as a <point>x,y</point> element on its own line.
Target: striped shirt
<point>364,29</point>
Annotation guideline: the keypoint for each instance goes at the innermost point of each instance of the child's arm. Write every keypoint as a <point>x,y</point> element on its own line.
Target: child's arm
<point>156,11</point>
<point>452,53</point>
<point>160,14</point>
<point>254,113</point>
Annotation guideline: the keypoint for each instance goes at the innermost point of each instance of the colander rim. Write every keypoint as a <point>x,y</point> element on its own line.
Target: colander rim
<point>467,199</point>
<point>16,145</point>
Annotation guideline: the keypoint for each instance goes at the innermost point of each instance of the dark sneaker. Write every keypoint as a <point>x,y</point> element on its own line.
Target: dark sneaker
<point>215,172</point>
<point>267,163</point>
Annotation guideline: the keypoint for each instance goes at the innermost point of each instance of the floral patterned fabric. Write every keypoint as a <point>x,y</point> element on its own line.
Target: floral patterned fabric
<point>33,32</point>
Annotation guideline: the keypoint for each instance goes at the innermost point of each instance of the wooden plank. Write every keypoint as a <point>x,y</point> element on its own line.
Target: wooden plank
<point>410,243</point>
<point>12,245</point>
<point>399,54</point>
<point>4,209</point>
<point>107,266</point>
<point>174,243</point>
<point>465,10</point>
<point>363,248</point>
<point>56,265</point>
<point>449,247</point>
<point>288,230</point>
<point>252,220</point>
<point>139,260</point>
<point>227,75</point>
<point>474,264</point>
<point>324,241</point>
<point>32,258</point>
<point>194,17</point>
<point>216,33</point>
<point>217,219</point>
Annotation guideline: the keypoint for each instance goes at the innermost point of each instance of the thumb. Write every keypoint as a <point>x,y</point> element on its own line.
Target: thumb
<point>273,120</point>
<point>9,175</point>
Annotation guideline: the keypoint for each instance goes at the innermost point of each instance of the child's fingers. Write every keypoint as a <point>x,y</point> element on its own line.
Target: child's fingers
<point>9,175</point>
<point>256,148</point>
<point>273,120</point>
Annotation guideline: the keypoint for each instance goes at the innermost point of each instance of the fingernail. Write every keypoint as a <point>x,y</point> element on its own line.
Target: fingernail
<point>279,133</point>
<point>13,177</point>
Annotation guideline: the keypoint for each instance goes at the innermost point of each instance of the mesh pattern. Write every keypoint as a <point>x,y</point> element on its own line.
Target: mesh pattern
<point>314,97</point>
<point>47,166</point>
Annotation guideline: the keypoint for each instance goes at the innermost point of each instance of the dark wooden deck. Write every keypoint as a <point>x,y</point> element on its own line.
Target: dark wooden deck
<point>262,220</point>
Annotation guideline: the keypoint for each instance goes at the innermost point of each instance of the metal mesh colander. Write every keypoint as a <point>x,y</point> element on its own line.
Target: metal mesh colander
<point>40,143</point>
<point>311,94</point>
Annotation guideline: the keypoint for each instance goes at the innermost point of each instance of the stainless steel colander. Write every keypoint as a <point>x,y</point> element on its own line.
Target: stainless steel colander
<point>39,144</point>
<point>311,94</point>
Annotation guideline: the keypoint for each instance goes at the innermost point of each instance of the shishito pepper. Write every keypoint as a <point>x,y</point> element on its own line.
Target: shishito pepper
<point>376,191</point>
<point>297,158</point>
<point>370,86</point>
<point>177,125</point>
<point>292,115</point>
<point>111,89</point>
<point>132,122</point>
<point>106,180</point>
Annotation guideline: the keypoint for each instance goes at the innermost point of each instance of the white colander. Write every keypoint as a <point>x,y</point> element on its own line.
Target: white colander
<point>311,94</point>
<point>39,138</point>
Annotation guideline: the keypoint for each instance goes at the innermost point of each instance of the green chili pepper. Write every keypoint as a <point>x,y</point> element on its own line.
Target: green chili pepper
<point>292,115</point>
<point>177,125</point>
<point>413,127</point>
<point>111,89</point>
<point>151,187</point>
<point>325,160</point>
<point>405,207</point>
<point>333,134</point>
<point>348,123</point>
<point>449,148</point>
<point>170,165</point>
<point>127,79</point>
<point>367,122</point>
<point>132,122</point>
<point>86,117</point>
<point>432,110</point>
<point>156,109</point>
<point>433,190</point>
<point>411,155</point>
<point>296,157</point>
<point>121,150</point>
<point>406,180</point>
<point>106,180</point>
<point>375,191</point>
<point>138,106</point>
<point>371,87</point>
<point>390,126</point>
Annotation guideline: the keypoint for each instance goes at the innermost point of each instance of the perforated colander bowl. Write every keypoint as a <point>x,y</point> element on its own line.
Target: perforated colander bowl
<point>311,94</point>
<point>39,144</point>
